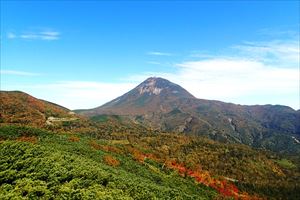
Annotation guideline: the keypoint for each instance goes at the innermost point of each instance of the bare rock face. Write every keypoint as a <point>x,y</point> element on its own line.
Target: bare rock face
<point>150,87</point>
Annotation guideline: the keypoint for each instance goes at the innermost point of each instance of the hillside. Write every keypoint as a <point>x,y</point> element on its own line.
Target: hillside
<point>68,167</point>
<point>19,107</point>
<point>36,163</point>
<point>165,106</point>
<point>112,157</point>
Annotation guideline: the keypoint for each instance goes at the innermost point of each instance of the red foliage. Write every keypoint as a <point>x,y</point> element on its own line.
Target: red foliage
<point>222,186</point>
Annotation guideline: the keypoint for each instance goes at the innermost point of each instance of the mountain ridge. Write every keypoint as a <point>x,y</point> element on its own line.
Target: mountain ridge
<point>154,103</point>
<point>133,151</point>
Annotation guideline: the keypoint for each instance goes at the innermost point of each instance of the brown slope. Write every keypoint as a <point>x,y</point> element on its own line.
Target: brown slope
<point>19,107</point>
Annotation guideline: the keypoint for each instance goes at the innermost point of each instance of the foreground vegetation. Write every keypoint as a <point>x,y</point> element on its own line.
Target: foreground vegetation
<point>38,163</point>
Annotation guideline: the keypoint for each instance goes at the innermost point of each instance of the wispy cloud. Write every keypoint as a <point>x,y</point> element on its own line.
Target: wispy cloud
<point>158,53</point>
<point>264,72</point>
<point>232,78</point>
<point>45,35</point>
<point>237,80</point>
<point>277,52</point>
<point>249,73</point>
<point>18,73</point>
<point>35,35</point>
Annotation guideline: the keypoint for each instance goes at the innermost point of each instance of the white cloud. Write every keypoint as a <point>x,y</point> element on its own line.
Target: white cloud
<point>77,94</point>
<point>255,73</point>
<point>278,52</point>
<point>252,73</point>
<point>158,53</point>
<point>235,80</point>
<point>43,35</point>
<point>18,73</point>
<point>35,35</point>
<point>232,78</point>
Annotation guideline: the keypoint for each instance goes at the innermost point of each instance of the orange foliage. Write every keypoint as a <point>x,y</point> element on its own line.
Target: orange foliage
<point>74,139</point>
<point>109,160</point>
<point>95,145</point>
<point>36,103</point>
<point>137,155</point>
<point>110,149</point>
<point>140,156</point>
<point>224,188</point>
<point>31,139</point>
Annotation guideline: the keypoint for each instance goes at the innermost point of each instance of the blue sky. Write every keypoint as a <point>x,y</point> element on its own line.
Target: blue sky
<point>81,54</point>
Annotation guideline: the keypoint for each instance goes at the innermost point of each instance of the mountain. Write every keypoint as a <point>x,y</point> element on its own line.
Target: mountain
<point>166,106</point>
<point>19,107</point>
<point>154,94</point>
<point>61,155</point>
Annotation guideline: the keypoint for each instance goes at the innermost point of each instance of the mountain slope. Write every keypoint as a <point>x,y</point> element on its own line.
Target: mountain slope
<point>143,166</point>
<point>163,105</point>
<point>115,158</point>
<point>56,167</point>
<point>151,95</point>
<point>19,107</point>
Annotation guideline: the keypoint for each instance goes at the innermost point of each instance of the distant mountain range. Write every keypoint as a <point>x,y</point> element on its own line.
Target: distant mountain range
<point>166,106</point>
<point>118,154</point>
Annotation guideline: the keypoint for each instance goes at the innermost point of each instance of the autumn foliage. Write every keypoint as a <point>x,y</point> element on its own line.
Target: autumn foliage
<point>31,139</point>
<point>140,156</point>
<point>106,148</point>
<point>74,139</point>
<point>224,188</point>
<point>109,160</point>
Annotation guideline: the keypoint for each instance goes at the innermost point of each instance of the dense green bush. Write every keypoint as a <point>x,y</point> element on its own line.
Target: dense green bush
<point>55,167</point>
<point>32,172</point>
<point>13,131</point>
